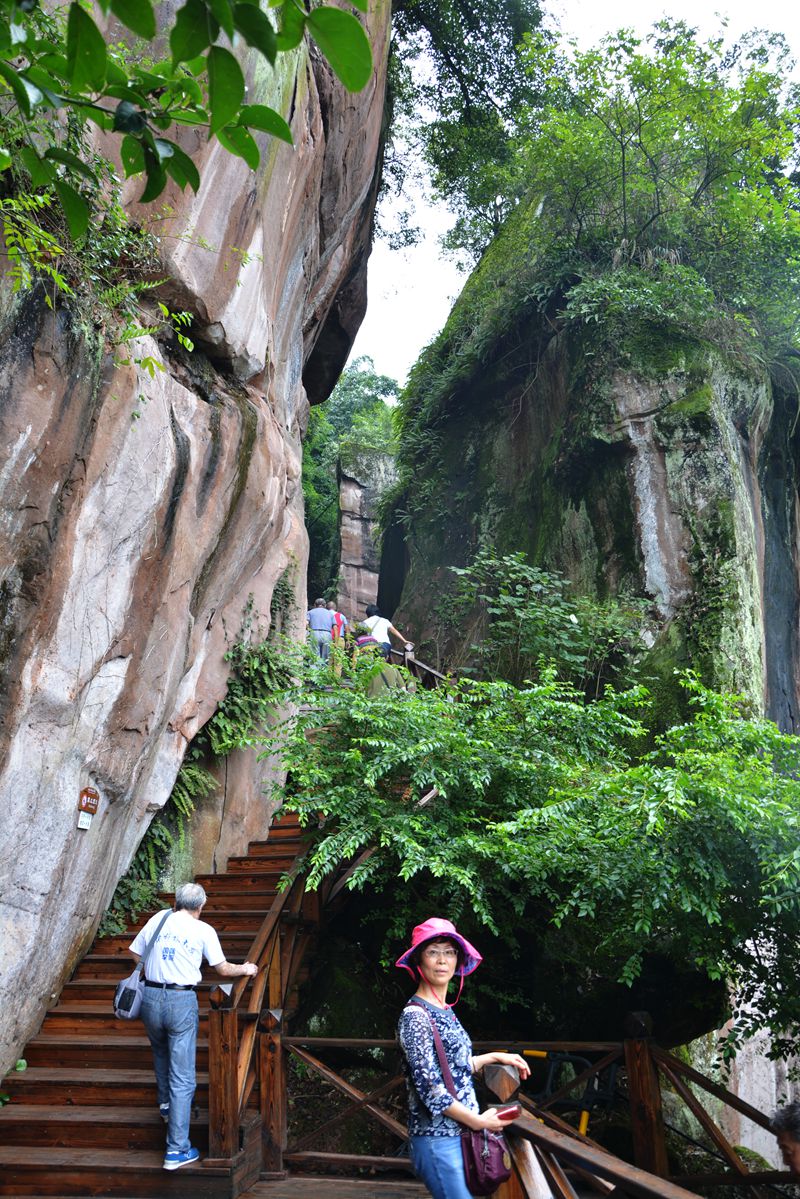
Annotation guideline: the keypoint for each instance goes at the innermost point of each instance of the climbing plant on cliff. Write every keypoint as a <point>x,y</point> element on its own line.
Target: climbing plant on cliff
<point>114,73</point>
<point>524,809</point>
<point>259,668</point>
<point>528,621</point>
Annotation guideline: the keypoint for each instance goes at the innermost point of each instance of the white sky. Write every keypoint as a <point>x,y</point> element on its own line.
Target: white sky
<point>411,292</point>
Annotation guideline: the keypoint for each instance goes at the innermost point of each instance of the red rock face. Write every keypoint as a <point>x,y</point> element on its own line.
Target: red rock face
<point>129,547</point>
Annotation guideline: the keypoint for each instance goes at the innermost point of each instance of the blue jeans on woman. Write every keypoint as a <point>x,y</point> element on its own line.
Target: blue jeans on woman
<point>437,1161</point>
<point>171,1020</point>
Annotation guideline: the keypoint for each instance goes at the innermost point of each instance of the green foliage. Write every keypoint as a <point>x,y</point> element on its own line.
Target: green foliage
<point>629,236</point>
<point>4,1096</point>
<point>458,88</point>
<point>355,418</point>
<point>137,890</point>
<point>712,212</point>
<point>545,816</point>
<point>530,622</point>
<point>321,496</point>
<point>58,61</point>
<point>258,671</point>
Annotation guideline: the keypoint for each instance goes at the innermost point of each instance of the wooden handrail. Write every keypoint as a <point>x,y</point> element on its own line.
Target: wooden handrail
<point>713,1088</point>
<point>577,1153</point>
<point>413,664</point>
<point>231,1056</point>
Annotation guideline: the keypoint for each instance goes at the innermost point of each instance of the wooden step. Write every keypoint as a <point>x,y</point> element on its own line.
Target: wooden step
<point>246,882</point>
<point>99,1021</point>
<point>99,991</point>
<point>223,920</point>
<point>257,863</point>
<point>92,1087</point>
<point>231,941</point>
<point>122,1128</point>
<point>118,1053</point>
<point>244,901</point>
<point>105,1172</point>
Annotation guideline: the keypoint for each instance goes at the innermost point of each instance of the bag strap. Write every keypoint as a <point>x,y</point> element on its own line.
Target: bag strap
<point>142,963</point>
<point>440,1053</point>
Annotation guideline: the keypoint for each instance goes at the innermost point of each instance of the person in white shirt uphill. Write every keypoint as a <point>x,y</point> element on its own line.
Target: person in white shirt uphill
<point>169,1008</point>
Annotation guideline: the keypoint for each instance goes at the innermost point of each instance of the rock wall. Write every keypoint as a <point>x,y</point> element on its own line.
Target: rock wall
<point>673,478</point>
<point>363,479</point>
<point>139,514</point>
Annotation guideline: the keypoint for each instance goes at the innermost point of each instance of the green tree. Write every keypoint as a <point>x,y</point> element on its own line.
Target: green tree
<point>529,808</point>
<point>321,496</point>
<point>459,86</point>
<point>359,390</point>
<point>661,180</point>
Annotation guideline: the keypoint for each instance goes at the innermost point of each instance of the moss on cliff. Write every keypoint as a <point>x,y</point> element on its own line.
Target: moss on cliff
<point>605,460</point>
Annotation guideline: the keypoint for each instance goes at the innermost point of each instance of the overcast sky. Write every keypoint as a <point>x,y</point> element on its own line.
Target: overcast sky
<point>411,292</point>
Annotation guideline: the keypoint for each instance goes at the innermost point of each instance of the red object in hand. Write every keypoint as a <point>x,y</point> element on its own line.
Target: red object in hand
<point>509,1113</point>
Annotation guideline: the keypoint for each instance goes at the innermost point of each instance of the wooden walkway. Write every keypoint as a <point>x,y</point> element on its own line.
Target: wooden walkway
<point>336,1188</point>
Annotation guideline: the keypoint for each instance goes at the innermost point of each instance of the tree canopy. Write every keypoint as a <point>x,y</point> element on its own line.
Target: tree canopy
<point>530,811</point>
<point>661,177</point>
<point>459,86</point>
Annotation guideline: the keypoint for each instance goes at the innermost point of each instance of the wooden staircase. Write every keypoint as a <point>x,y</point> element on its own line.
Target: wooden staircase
<point>83,1118</point>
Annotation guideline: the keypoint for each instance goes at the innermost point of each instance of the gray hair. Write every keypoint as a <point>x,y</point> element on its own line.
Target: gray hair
<point>787,1119</point>
<point>189,896</point>
<point>319,603</point>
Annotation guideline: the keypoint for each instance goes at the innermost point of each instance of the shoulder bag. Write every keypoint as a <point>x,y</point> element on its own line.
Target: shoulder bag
<point>487,1162</point>
<point>130,992</point>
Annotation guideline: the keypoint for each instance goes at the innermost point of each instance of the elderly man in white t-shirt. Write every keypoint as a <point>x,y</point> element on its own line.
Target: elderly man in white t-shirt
<point>169,1009</point>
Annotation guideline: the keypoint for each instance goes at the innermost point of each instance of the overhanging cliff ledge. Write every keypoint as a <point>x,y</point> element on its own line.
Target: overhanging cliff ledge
<point>140,513</point>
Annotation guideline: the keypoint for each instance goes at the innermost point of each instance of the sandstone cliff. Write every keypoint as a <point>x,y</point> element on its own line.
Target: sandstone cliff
<point>130,546</point>
<point>669,475</point>
<point>363,478</point>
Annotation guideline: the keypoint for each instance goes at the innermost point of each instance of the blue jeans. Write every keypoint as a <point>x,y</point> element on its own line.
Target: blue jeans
<point>171,1020</point>
<point>323,641</point>
<point>438,1162</point>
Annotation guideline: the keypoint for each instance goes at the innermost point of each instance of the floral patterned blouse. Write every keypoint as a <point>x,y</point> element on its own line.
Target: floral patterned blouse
<point>428,1096</point>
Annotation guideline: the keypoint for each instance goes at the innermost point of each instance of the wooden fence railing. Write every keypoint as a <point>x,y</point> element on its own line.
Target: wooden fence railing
<point>243,1048</point>
<point>548,1152</point>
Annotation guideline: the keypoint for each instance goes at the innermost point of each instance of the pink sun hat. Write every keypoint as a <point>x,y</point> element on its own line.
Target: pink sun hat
<point>434,929</point>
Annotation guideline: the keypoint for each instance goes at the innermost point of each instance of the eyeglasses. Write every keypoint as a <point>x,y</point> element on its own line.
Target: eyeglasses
<point>447,955</point>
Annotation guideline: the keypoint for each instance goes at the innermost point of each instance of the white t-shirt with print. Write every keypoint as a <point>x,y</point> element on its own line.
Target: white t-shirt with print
<point>378,627</point>
<point>179,949</point>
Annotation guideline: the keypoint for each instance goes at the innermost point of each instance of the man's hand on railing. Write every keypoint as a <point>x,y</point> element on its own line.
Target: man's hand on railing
<point>231,970</point>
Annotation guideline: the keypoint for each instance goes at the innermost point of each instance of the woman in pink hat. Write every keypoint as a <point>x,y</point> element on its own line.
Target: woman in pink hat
<point>436,1117</point>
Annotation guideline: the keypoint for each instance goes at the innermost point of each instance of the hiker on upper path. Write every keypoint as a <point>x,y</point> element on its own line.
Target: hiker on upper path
<point>380,628</point>
<point>169,1008</point>
<point>320,620</point>
<point>339,622</point>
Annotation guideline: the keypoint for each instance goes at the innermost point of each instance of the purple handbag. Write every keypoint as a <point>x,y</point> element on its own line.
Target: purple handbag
<point>487,1162</point>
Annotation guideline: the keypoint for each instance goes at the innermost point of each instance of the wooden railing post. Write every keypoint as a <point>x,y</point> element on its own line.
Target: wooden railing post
<point>647,1118</point>
<point>223,1091</point>
<point>272,1092</point>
